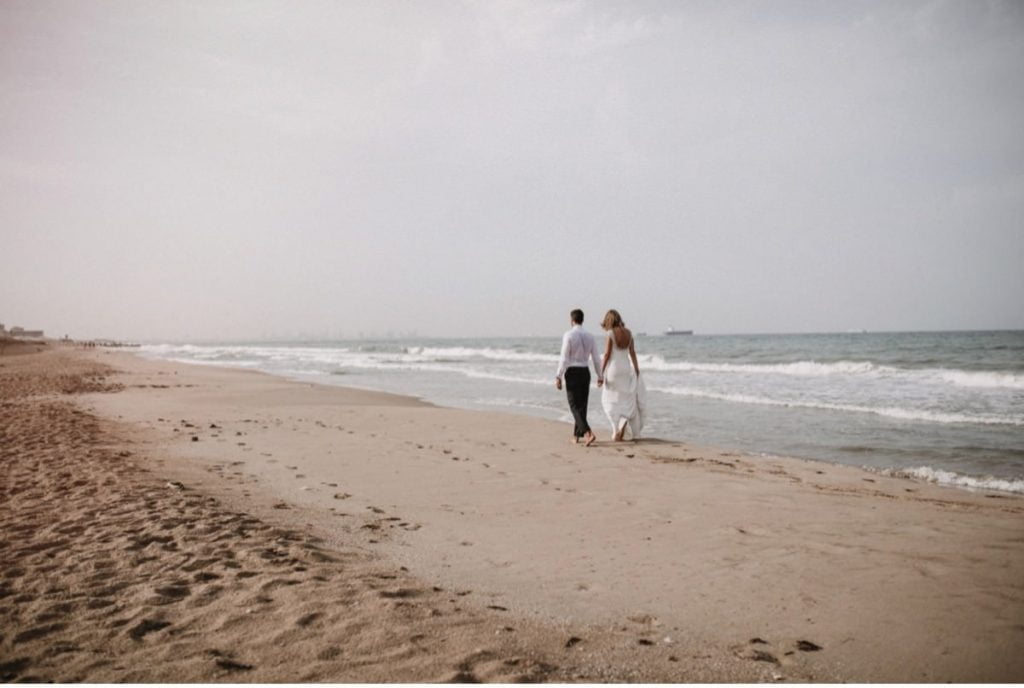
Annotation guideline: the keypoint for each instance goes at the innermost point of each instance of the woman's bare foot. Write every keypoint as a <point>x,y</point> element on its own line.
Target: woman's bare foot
<point>620,434</point>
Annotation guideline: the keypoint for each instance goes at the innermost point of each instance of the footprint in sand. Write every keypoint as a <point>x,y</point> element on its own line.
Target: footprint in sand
<point>38,632</point>
<point>644,619</point>
<point>232,665</point>
<point>147,626</point>
<point>754,654</point>
<point>400,593</point>
<point>307,619</point>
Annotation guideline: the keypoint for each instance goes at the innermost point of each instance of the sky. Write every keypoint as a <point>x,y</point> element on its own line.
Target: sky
<point>176,170</point>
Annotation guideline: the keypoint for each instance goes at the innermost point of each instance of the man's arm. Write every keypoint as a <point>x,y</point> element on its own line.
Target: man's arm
<point>563,360</point>
<point>598,368</point>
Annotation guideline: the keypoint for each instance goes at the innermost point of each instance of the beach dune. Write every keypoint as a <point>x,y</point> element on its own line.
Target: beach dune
<point>171,522</point>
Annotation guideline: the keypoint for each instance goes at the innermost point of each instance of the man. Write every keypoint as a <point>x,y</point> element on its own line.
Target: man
<point>578,349</point>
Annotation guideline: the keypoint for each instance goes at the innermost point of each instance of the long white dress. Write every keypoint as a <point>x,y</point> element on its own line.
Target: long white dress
<point>623,396</point>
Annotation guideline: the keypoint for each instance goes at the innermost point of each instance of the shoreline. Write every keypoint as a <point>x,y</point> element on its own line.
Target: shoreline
<point>921,474</point>
<point>642,552</point>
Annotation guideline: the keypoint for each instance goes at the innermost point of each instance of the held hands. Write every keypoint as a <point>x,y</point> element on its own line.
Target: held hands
<point>558,382</point>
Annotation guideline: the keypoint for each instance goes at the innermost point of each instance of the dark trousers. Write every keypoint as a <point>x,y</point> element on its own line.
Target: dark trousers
<point>577,390</point>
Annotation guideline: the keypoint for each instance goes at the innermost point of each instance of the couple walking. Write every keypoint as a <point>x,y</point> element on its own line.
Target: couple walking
<point>623,394</point>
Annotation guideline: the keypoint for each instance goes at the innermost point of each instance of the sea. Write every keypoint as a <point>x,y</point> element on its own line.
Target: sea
<point>946,407</point>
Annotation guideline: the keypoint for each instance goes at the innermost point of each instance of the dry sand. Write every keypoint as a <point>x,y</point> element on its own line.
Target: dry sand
<point>167,522</point>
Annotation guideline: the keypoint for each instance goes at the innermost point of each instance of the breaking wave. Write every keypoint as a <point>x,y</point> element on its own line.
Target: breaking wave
<point>953,479</point>
<point>887,411</point>
<point>960,378</point>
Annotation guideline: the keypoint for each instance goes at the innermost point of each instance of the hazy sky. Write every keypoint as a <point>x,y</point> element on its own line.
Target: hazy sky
<point>245,169</point>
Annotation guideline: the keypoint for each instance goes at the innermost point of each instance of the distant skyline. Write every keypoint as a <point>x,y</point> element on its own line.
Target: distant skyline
<point>227,170</point>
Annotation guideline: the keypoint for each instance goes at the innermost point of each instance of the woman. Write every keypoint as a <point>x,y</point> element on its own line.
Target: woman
<point>624,395</point>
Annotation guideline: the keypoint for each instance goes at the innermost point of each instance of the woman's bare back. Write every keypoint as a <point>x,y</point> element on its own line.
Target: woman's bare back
<point>622,337</point>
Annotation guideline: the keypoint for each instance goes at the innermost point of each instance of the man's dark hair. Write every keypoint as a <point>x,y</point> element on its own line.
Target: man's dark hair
<point>577,316</point>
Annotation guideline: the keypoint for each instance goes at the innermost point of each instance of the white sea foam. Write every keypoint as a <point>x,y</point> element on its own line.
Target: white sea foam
<point>344,356</point>
<point>225,350</point>
<point>389,362</point>
<point>950,478</point>
<point>981,378</point>
<point>959,378</point>
<point>456,352</point>
<point>497,376</point>
<point>887,411</point>
<point>800,368</point>
<point>198,361</point>
<point>511,402</point>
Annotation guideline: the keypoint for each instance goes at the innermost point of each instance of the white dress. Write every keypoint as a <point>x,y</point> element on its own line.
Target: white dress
<point>623,395</point>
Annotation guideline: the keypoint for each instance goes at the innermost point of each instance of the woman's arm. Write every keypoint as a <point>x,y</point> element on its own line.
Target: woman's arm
<point>607,354</point>
<point>632,355</point>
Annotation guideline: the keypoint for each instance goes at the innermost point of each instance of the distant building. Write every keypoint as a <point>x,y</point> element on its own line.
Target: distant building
<point>22,333</point>
<point>3,330</point>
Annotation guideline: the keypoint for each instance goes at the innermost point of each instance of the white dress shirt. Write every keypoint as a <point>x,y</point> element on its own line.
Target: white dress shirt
<point>578,349</point>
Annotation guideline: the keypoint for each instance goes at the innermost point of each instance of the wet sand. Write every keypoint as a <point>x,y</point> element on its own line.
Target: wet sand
<point>165,522</point>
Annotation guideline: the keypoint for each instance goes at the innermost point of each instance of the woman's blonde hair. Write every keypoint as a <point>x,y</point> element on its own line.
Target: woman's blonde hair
<point>612,319</point>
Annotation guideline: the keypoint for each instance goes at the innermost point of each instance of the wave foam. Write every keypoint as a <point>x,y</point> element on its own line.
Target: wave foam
<point>980,378</point>
<point>458,352</point>
<point>800,368</point>
<point>959,378</point>
<point>653,362</point>
<point>887,411</point>
<point>952,479</point>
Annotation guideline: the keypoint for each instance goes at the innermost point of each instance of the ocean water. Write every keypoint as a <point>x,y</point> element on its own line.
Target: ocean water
<point>942,406</point>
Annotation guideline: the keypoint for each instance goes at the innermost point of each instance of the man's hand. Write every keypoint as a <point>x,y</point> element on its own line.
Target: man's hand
<point>600,381</point>
<point>558,383</point>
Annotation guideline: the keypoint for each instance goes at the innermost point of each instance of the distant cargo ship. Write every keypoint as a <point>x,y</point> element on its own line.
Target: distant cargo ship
<point>673,330</point>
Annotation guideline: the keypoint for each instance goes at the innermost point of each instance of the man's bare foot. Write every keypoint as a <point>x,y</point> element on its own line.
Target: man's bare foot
<point>575,440</point>
<point>590,438</point>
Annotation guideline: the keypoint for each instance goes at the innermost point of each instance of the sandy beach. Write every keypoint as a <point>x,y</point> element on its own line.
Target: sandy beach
<point>167,522</point>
